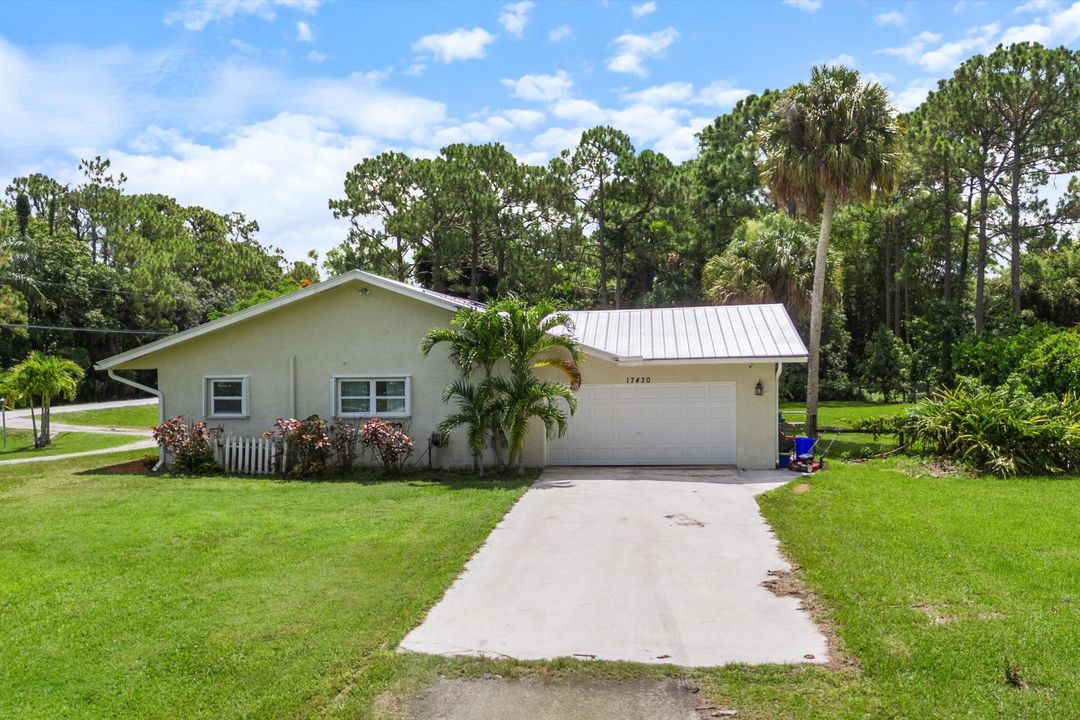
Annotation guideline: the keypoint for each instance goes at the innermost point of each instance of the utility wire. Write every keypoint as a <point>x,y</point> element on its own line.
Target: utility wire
<point>35,281</point>
<point>122,331</point>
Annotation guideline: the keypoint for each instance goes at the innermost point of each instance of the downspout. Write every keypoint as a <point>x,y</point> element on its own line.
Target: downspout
<point>160,409</point>
<point>776,409</point>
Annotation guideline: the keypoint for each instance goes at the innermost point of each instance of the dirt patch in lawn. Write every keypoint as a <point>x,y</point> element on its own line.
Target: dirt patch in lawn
<point>946,613</point>
<point>788,583</point>
<point>533,698</point>
<point>135,467</point>
<point>800,488</point>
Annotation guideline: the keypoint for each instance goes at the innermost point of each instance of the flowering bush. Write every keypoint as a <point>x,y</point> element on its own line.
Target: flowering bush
<point>344,439</point>
<point>191,446</point>
<point>302,447</point>
<point>389,443</point>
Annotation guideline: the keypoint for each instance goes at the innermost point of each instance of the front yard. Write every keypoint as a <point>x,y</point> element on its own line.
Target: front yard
<point>158,597</point>
<point>145,597</point>
<point>20,443</point>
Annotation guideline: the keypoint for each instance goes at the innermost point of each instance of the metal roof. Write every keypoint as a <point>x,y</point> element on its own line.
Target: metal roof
<point>720,332</point>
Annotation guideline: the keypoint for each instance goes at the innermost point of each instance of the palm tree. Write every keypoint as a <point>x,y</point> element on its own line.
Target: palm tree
<point>768,260</point>
<point>477,342</point>
<point>826,142</point>
<point>45,377</point>
<point>536,336</point>
<point>478,410</point>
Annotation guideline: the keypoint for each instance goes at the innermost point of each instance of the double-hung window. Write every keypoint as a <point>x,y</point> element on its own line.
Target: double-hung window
<point>226,396</point>
<point>371,396</point>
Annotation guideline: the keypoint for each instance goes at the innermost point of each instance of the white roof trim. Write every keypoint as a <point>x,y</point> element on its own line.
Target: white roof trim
<point>446,302</point>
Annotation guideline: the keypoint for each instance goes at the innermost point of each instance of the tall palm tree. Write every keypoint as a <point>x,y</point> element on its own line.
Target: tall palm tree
<point>826,142</point>
<point>44,377</point>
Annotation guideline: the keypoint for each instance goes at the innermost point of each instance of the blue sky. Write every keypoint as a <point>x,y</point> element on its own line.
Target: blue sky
<point>262,105</point>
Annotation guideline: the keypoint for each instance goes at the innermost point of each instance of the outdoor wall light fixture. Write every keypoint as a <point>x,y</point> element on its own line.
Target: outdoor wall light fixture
<point>759,389</point>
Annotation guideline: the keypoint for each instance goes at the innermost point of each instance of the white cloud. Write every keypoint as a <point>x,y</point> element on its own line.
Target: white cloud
<point>645,8</point>
<point>720,94</point>
<point>459,44</point>
<point>1034,6</point>
<point>667,94</point>
<point>556,138</point>
<point>540,87</point>
<point>583,112</point>
<point>303,32</point>
<point>842,59</point>
<point>197,14</point>
<point>1035,32</point>
<point>892,17</point>
<point>414,70</point>
<point>560,33</point>
<point>645,123</point>
<point>949,55</point>
<point>807,5</point>
<point>1060,26</point>
<point>632,50</point>
<point>515,17</point>
<point>914,49</point>
<point>525,118</point>
<point>255,171</point>
<point>883,79</point>
<point>913,94</point>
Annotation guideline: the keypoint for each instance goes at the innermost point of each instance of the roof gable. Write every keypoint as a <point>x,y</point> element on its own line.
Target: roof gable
<point>447,302</point>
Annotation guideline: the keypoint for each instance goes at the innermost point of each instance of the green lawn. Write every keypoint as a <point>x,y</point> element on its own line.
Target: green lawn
<point>138,596</point>
<point>159,597</point>
<point>20,443</point>
<point>133,416</point>
<point>842,413</point>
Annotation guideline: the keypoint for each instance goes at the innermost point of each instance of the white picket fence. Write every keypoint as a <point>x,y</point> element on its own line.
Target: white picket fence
<point>247,455</point>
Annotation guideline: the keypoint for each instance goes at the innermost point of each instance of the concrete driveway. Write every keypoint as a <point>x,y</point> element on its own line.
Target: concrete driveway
<point>655,565</point>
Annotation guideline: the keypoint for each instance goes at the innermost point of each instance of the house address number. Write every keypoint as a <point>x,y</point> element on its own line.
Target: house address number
<point>638,379</point>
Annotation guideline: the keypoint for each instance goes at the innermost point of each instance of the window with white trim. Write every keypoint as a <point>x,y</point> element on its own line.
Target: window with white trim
<point>226,396</point>
<point>371,396</point>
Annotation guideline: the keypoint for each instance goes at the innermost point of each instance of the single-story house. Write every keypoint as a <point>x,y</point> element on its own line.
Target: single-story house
<point>690,386</point>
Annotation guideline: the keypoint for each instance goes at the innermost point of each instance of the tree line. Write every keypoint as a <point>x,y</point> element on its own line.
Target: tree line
<point>949,221</point>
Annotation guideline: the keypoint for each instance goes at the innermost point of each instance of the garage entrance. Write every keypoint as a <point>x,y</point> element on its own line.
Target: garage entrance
<point>650,424</point>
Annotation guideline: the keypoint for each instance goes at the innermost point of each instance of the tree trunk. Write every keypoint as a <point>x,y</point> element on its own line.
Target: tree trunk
<point>33,425</point>
<point>1014,232</point>
<point>980,260</point>
<point>887,245</point>
<point>898,254</point>
<point>46,421</point>
<point>602,248</point>
<point>965,248</point>
<point>946,235</point>
<point>474,275</point>
<point>813,366</point>
<point>438,274</point>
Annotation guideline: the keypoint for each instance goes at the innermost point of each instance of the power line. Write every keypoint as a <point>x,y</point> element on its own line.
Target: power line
<point>121,331</point>
<point>82,287</point>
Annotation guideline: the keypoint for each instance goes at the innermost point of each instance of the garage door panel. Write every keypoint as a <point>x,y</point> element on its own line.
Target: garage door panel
<point>650,424</point>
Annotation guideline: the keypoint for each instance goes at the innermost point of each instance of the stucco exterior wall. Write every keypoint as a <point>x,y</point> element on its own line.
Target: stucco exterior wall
<point>755,415</point>
<point>291,354</point>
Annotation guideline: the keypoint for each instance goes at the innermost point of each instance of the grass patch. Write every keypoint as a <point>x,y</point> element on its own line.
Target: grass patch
<point>145,596</point>
<point>20,443</point>
<point>843,413</point>
<point>130,416</point>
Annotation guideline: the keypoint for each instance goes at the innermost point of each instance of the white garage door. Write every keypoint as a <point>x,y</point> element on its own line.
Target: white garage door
<point>650,424</point>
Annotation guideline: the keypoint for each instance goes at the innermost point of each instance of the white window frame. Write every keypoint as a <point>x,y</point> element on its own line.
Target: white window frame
<point>208,396</point>
<point>335,396</point>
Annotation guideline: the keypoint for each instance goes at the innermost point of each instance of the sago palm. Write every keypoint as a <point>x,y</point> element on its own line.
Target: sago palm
<point>826,142</point>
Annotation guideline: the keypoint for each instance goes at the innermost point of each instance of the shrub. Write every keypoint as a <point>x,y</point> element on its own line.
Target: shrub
<point>1053,366</point>
<point>302,446</point>
<point>390,444</point>
<point>344,441</point>
<point>1004,430</point>
<point>992,358</point>
<point>191,447</point>
<point>886,366</point>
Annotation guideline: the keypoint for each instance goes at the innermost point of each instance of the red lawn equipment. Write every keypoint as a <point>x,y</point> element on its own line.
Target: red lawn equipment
<point>808,462</point>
